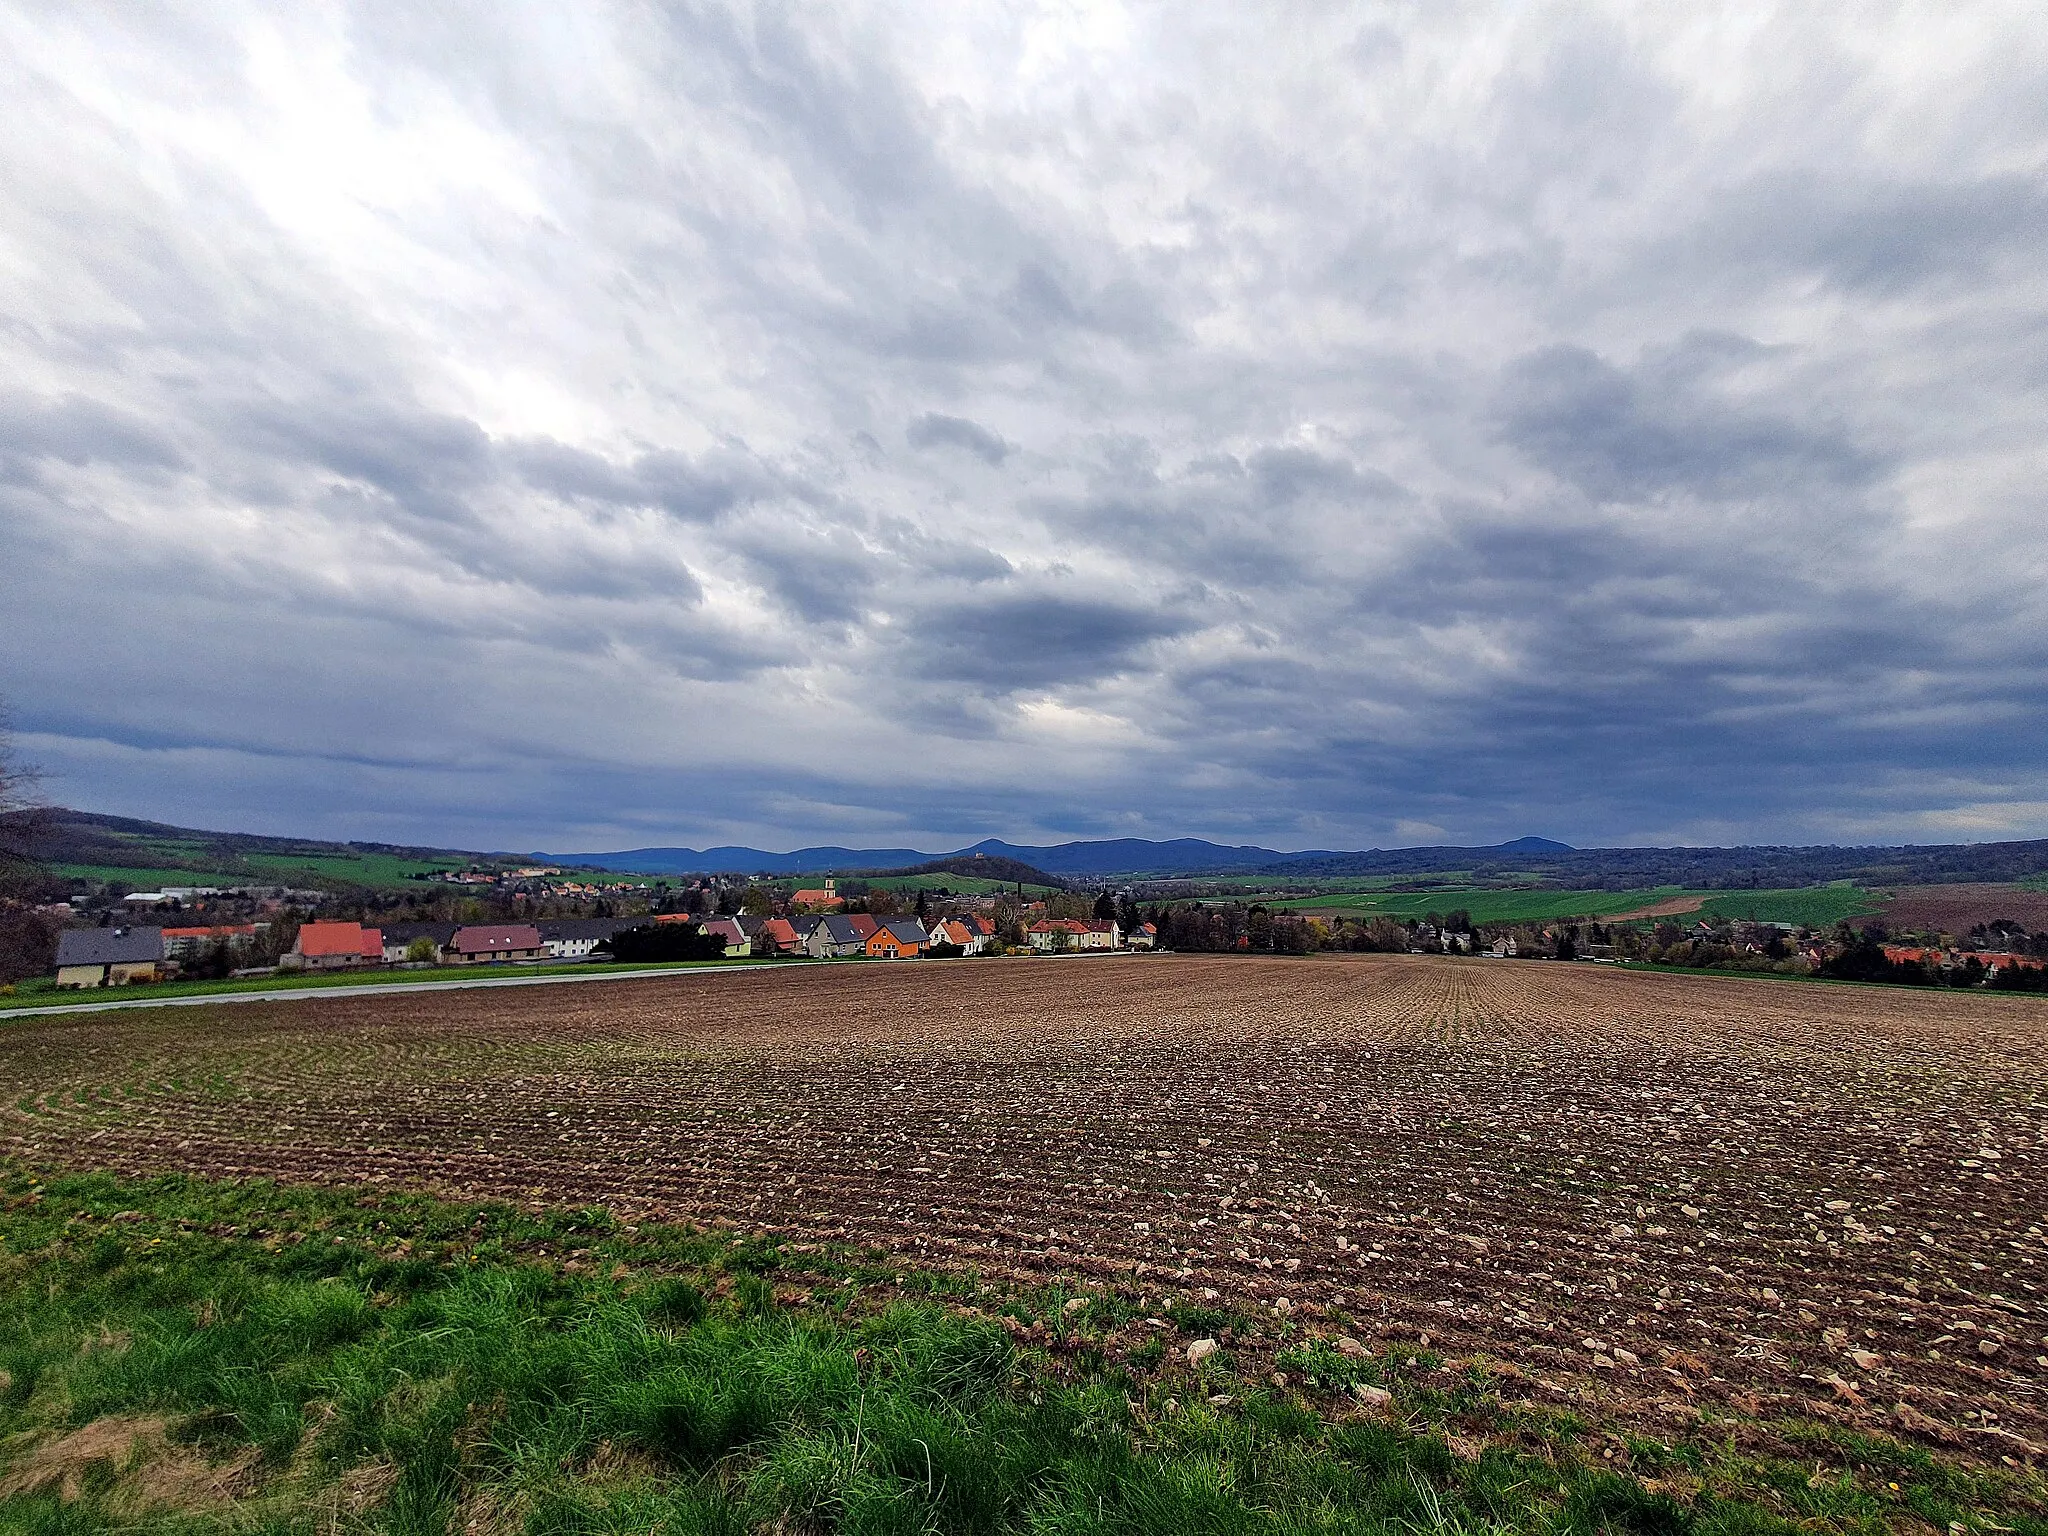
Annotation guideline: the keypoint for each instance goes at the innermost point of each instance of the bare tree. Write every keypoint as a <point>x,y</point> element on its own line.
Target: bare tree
<point>23,815</point>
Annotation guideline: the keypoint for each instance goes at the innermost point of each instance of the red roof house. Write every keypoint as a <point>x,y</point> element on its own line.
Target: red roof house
<point>327,946</point>
<point>484,943</point>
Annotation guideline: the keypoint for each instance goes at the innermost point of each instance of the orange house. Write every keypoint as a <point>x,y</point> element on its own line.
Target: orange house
<point>901,938</point>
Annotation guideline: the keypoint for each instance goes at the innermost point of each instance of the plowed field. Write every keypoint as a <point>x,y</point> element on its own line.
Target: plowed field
<point>1675,1190</point>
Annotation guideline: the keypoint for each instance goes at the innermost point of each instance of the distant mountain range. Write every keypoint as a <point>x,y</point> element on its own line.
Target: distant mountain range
<point>85,841</point>
<point>1110,856</point>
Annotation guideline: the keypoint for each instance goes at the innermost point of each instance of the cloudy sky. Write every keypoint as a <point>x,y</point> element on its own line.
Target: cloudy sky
<point>1327,426</point>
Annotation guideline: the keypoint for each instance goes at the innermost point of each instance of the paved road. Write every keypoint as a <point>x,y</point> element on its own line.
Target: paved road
<point>376,989</point>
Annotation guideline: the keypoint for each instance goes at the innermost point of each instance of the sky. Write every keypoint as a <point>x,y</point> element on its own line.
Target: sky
<point>1322,426</point>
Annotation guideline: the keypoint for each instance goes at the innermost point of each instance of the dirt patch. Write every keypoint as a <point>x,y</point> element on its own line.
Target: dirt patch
<point>1958,908</point>
<point>141,1466</point>
<point>1671,906</point>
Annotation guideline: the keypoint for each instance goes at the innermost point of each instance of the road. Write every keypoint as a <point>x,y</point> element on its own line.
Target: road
<point>374,989</point>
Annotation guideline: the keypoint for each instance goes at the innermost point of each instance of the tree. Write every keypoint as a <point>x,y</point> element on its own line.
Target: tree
<point>1105,908</point>
<point>422,949</point>
<point>24,819</point>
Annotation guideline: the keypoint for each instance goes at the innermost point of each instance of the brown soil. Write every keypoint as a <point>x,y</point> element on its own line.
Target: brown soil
<point>152,1473</point>
<point>1957,908</point>
<point>1690,1191</point>
<point>1671,906</point>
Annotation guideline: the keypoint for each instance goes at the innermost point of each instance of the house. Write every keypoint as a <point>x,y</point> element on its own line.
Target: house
<point>899,938</point>
<point>1504,947</point>
<point>777,937</point>
<point>1056,933</point>
<point>1052,933</point>
<point>836,936</point>
<point>333,947</point>
<point>826,900</point>
<point>737,940</point>
<point>109,957</point>
<point>573,938</point>
<point>184,943</point>
<point>1144,936</point>
<point>488,943</point>
<point>972,934</point>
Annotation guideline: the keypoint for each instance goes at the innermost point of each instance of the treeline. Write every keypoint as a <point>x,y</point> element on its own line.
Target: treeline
<point>1238,927</point>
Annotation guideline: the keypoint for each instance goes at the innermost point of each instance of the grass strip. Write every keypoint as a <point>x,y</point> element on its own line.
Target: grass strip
<point>179,1355</point>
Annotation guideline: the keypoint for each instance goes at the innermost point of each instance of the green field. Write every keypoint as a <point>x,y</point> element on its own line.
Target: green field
<point>143,879</point>
<point>1816,906</point>
<point>1820,906</point>
<point>200,866</point>
<point>185,1356</point>
<point>355,868</point>
<point>963,885</point>
<point>1485,905</point>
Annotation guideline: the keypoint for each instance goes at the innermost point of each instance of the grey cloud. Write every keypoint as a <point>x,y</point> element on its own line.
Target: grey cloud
<point>1029,640</point>
<point>1598,448</point>
<point>1620,435</point>
<point>78,430</point>
<point>934,430</point>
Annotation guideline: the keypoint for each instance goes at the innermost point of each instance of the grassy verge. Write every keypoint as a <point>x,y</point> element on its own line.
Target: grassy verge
<point>43,992</point>
<point>183,1356</point>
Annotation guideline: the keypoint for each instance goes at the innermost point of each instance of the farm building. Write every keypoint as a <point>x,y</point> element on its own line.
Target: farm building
<point>485,943</point>
<point>109,957</point>
<point>334,946</point>
<point>900,938</point>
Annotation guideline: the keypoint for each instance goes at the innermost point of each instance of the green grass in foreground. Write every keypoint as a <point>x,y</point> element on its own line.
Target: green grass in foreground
<point>182,1356</point>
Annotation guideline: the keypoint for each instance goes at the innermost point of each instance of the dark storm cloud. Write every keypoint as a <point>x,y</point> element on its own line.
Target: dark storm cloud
<point>1565,422</point>
<point>1004,643</point>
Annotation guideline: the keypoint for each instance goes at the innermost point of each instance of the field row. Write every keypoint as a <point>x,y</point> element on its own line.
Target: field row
<point>1680,1188</point>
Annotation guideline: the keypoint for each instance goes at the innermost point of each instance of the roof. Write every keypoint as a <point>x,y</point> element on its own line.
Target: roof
<point>726,928</point>
<point>845,930</point>
<point>865,924</point>
<point>904,930</point>
<point>778,929</point>
<point>585,927</point>
<point>217,931</point>
<point>110,946</point>
<point>443,934</point>
<point>496,939</point>
<point>339,939</point>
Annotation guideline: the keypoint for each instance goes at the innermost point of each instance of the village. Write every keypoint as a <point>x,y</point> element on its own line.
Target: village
<point>811,926</point>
